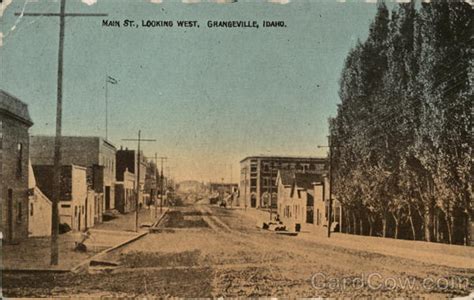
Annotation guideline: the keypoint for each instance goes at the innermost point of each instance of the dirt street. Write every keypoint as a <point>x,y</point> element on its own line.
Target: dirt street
<point>206,251</point>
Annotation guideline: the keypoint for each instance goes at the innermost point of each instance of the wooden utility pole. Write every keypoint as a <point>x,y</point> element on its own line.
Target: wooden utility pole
<point>330,146</point>
<point>137,184</point>
<point>54,260</point>
<point>156,185</point>
<point>330,189</point>
<point>245,187</point>
<point>271,192</point>
<point>106,108</point>
<point>222,190</point>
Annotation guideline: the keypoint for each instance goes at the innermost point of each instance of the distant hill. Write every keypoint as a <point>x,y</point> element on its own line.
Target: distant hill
<point>191,186</point>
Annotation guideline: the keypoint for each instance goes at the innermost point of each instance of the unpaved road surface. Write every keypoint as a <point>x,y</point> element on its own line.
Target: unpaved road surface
<point>204,251</point>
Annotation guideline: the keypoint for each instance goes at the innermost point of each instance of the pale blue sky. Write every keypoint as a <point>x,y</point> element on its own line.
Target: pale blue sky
<point>209,96</point>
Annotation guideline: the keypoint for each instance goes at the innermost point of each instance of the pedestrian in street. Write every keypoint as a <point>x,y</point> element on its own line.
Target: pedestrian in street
<point>82,237</point>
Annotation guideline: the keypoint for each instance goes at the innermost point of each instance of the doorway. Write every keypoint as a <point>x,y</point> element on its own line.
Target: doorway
<point>253,201</point>
<point>107,197</point>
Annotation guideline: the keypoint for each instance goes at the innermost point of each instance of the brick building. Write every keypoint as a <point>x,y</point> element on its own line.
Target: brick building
<point>258,176</point>
<point>96,154</point>
<point>14,150</point>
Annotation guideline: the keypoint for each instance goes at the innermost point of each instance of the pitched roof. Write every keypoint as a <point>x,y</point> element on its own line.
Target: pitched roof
<point>14,107</point>
<point>307,180</point>
<point>286,177</point>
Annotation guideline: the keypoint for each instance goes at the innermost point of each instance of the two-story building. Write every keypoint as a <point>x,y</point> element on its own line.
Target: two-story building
<point>74,204</point>
<point>296,205</point>
<point>96,154</point>
<point>15,122</point>
<point>284,184</point>
<point>127,160</point>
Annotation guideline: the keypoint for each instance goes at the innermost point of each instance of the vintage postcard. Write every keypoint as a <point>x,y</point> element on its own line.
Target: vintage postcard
<point>236,149</point>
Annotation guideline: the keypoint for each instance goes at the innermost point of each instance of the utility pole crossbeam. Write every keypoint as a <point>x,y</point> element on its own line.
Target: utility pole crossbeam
<point>137,184</point>
<point>54,260</point>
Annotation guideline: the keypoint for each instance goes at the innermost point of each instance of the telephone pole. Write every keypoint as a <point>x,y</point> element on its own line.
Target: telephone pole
<point>245,188</point>
<point>54,259</point>
<point>330,146</point>
<point>271,192</point>
<point>156,185</point>
<point>222,190</point>
<point>137,184</point>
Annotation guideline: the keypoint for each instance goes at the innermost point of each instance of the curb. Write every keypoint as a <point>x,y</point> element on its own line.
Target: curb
<point>38,270</point>
<point>86,262</point>
<point>159,219</point>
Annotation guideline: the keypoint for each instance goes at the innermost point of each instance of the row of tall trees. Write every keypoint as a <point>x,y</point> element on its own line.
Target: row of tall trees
<point>401,140</point>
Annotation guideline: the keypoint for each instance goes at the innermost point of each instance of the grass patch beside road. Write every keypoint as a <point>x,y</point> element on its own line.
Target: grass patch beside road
<point>177,219</point>
<point>159,259</point>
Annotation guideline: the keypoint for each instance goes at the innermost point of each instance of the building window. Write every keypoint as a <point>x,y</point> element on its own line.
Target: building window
<point>75,211</point>
<point>253,167</point>
<point>31,209</point>
<point>19,159</point>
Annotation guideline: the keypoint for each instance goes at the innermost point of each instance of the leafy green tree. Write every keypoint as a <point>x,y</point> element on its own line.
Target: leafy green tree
<point>403,154</point>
